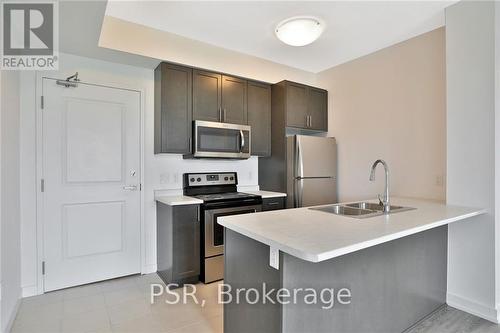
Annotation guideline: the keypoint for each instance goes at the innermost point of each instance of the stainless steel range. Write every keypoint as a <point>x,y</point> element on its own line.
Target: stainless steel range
<point>220,198</point>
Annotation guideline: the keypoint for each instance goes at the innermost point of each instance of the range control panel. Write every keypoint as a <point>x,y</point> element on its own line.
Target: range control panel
<point>208,179</point>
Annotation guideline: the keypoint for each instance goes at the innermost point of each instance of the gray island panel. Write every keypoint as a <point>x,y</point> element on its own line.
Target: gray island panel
<point>393,285</point>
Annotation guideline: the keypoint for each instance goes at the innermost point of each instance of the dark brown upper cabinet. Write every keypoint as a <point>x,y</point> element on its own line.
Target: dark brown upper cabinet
<point>234,100</point>
<point>317,109</point>
<point>207,96</point>
<point>259,117</point>
<point>219,98</point>
<point>184,94</point>
<point>296,105</point>
<point>173,109</point>
<point>305,107</point>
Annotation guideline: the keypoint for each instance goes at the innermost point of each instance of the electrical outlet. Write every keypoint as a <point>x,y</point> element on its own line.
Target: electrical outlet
<point>439,180</point>
<point>274,257</point>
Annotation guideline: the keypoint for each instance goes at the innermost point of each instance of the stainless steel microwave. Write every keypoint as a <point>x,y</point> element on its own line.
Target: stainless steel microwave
<point>220,140</point>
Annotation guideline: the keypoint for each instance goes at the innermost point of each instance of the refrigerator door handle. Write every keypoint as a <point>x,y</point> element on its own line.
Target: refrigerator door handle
<point>299,165</point>
<point>300,190</point>
<point>299,173</point>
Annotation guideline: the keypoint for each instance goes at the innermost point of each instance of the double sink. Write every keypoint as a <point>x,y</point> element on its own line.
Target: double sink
<point>360,209</point>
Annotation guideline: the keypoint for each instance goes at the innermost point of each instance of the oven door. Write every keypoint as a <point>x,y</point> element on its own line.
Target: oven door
<point>221,140</point>
<point>214,232</point>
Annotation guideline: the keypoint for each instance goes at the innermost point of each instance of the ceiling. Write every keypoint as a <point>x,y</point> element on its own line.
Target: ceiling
<point>353,29</point>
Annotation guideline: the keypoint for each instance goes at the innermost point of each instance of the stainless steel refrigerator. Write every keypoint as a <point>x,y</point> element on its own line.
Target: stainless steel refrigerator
<point>311,170</point>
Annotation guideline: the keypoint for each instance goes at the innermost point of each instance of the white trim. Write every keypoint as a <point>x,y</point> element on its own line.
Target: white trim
<point>39,166</point>
<point>148,269</point>
<point>39,175</point>
<point>142,96</point>
<point>472,307</point>
<point>28,291</point>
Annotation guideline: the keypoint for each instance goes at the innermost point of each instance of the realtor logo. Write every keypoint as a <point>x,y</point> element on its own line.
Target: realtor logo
<point>29,35</point>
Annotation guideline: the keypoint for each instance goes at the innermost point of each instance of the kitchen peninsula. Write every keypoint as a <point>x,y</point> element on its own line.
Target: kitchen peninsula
<point>395,266</point>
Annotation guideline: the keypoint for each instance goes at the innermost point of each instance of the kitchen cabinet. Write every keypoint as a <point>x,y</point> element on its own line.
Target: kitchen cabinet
<point>184,94</point>
<point>317,109</point>
<point>304,107</point>
<point>234,100</point>
<point>259,117</point>
<point>178,243</point>
<point>207,95</point>
<point>295,109</point>
<point>173,109</point>
<point>273,203</point>
<point>296,105</point>
<point>219,98</point>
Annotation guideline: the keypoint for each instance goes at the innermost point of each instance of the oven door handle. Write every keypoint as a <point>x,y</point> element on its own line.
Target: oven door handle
<point>242,141</point>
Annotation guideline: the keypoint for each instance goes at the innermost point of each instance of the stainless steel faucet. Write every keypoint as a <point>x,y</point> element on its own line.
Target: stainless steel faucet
<point>386,201</point>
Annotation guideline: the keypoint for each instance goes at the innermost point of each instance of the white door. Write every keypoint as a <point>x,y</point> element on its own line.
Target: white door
<point>91,199</point>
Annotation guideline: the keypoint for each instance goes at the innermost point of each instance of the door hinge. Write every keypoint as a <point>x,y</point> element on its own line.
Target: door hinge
<point>41,101</point>
<point>42,185</point>
<point>43,267</point>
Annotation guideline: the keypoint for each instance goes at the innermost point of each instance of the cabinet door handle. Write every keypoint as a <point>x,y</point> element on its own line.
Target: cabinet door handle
<point>307,121</point>
<point>223,115</point>
<point>198,214</point>
<point>310,121</point>
<point>220,114</point>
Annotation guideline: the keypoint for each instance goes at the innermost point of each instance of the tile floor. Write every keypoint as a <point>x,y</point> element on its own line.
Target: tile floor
<point>451,320</point>
<point>120,305</point>
<point>123,305</point>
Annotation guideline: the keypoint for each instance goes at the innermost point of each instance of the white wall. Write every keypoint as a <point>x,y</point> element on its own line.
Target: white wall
<point>162,173</point>
<point>10,199</point>
<point>471,168</point>
<point>391,105</point>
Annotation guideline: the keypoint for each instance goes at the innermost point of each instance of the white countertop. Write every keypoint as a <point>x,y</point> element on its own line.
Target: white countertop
<point>317,236</point>
<point>267,194</point>
<point>177,200</point>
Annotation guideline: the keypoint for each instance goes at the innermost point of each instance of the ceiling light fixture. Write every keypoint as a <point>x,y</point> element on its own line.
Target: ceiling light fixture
<point>299,30</point>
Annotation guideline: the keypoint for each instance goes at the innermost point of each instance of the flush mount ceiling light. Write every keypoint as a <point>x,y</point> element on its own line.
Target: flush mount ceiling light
<point>299,30</point>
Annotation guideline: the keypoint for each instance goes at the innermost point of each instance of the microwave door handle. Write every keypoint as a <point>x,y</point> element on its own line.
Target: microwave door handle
<point>242,141</point>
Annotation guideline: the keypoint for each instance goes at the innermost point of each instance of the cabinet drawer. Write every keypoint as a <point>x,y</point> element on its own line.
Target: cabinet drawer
<point>273,203</point>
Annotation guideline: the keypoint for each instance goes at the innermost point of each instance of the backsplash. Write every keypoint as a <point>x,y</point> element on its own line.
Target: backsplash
<point>166,171</point>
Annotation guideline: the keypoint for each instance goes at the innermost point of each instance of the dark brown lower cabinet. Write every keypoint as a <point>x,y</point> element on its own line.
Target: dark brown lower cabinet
<point>178,243</point>
<point>273,203</point>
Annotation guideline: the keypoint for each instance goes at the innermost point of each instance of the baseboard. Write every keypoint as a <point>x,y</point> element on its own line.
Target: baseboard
<point>12,316</point>
<point>28,291</point>
<point>472,307</point>
<point>147,269</point>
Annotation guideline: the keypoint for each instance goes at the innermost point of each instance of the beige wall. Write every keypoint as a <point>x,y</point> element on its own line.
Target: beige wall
<point>391,105</point>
